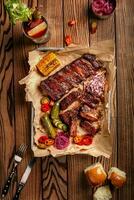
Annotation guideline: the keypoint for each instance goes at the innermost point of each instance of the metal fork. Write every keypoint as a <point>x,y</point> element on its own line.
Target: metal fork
<point>17,159</point>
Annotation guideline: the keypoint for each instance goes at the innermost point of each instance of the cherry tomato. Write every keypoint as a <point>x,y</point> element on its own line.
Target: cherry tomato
<point>87,140</point>
<point>43,139</point>
<point>45,107</point>
<point>68,40</point>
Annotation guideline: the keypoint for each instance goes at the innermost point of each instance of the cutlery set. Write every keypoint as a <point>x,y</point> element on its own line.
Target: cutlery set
<point>16,160</point>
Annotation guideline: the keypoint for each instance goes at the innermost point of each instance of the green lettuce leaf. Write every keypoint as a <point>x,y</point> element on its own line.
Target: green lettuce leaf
<point>18,11</point>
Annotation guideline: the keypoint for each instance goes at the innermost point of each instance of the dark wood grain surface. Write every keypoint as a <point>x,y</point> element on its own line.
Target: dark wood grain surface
<point>63,179</point>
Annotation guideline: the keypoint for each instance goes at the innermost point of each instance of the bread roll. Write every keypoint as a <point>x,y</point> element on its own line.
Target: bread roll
<point>117,177</point>
<point>102,193</point>
<point>95,174</point>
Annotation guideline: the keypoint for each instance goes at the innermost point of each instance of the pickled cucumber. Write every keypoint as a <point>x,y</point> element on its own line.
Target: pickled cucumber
<point>46,122</point>
<point>55,117</point>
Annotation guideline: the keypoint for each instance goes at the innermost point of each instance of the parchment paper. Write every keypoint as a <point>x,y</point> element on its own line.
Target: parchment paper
<point>102,143</point>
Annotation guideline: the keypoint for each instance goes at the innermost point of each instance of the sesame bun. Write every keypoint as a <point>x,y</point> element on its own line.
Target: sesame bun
<point>95,174</point>
<point>102,193</point>
<point>117,177</point>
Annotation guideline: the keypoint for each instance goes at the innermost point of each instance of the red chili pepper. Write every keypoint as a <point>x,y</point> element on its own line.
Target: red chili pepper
<point>45,107</point>
<point>49,142</point>
<point>80,143</point>
<point>43,139</point>
<point>78,140</point>
<point>87,140</point>
<point>68,40</point>
<point>83,140</point>
<point>72,22</point>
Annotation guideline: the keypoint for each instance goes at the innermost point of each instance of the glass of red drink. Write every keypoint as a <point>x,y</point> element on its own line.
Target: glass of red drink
<point>36,29</point>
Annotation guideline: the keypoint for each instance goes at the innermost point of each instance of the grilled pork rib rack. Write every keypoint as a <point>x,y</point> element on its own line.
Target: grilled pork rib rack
<point>80,86</point>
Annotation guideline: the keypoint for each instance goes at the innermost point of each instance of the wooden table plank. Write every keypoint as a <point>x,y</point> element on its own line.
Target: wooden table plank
<point>53,12</point>
<point>54,170</point>
<point>101,35</point>
<point>7,136</point>
<point>22,111</point>
<point>54,178</point>
<point>77,10</point>
<point>125,86</point>
<point>106,31</point>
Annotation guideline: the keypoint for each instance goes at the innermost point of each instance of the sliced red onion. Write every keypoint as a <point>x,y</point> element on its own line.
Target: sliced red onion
<point>102,7</point>
<point>61,141</point>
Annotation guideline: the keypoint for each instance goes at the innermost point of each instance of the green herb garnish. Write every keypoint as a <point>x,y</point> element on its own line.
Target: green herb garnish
<point>18,11</point>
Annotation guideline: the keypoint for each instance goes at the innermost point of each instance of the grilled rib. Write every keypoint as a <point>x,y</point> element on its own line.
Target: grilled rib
<point>67,78</point>
<point>70,98</point>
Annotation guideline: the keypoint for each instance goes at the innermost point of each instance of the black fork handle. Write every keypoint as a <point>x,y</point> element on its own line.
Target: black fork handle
<point>9,180</point>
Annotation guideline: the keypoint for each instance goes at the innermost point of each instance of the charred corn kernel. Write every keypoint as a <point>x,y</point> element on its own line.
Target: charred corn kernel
<point>77,139</point>
<point>42,146</point>
<point>49,142</point>
<point>47,64</point>
<point>47,59</point>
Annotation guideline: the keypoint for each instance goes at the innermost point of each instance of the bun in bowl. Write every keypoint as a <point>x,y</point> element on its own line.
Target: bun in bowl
<point>117,177</point>
<point>95,174</point>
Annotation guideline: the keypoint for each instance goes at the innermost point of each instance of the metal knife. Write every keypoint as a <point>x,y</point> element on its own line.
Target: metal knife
<point>24,179</point>
<point>50,48</point>
<point>16,160</point>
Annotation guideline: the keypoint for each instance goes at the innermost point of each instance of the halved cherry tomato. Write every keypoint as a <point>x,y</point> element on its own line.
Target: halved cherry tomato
<point>43,139</point>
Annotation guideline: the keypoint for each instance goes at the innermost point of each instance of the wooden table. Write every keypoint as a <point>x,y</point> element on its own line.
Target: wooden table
<point>63,179</point>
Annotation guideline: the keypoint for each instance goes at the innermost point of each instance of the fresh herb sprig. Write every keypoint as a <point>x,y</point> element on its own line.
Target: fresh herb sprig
<point>18,11</point>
